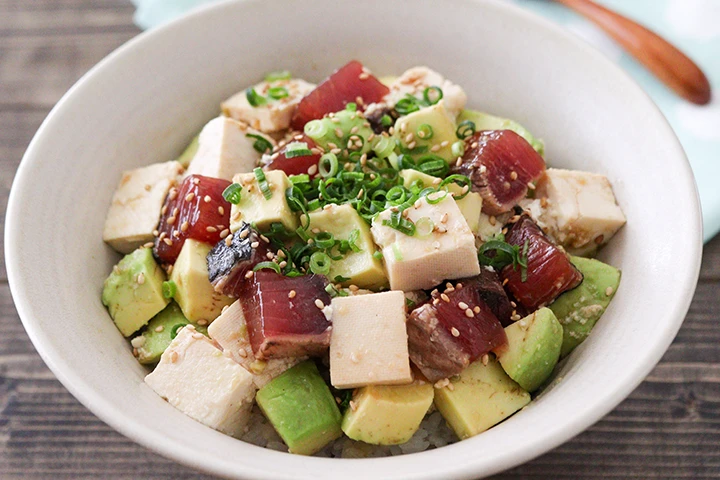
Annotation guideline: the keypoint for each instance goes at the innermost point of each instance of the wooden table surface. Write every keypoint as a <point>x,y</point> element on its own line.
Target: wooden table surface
<point>668,428</point>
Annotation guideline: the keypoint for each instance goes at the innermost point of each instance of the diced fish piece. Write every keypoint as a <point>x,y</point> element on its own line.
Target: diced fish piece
<point>500,164</point>
<point>549,270</point>
<point>491,291</point>
<point>286,324</point>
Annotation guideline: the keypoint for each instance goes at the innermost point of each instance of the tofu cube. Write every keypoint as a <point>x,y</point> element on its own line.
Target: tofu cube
<point>369,343</point>
<point>414,82</point>
<point>225,147</point>
<point>135,209</point>
<point>196,378</point>
<point>273,116</point>
<point>229,330</point>
<point>255,208</point>
<point>423,260</point>
<point>579,208</point>
<point>195,294</point>
<point>360,266</point>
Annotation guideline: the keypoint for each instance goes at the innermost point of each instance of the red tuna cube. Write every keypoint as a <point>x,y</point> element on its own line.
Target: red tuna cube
<point>296,165</point>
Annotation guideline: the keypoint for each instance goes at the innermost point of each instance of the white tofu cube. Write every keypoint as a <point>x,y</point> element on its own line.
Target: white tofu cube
<point>369,343</point>
<point>578,208</point>
<point>273,116</point>
<point>414,82</point>
<point>423,260</point>
<point>135,209</point>
<point>229,330</point>
<point>196,378</point>
<point>224,149</point>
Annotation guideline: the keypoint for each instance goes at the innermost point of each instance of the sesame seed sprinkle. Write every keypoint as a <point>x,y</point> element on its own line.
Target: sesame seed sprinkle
<point>463,305</point>
<point>211,229</point>
<point>141,278</point>
<point>159,328</point>
<point>455,332</point>
<point>608,291</point>
<point>469,313</point>
<point>189,197</point>
<point>254,244</point>
<point>444,297</point>
<point>249,274</point>
<point>319,303</point>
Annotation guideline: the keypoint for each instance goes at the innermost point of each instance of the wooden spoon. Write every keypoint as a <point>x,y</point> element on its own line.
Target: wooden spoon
<point>669,64</point>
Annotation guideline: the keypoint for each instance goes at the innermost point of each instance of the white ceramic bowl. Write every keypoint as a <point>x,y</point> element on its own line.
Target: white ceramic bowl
<point>145,101</point>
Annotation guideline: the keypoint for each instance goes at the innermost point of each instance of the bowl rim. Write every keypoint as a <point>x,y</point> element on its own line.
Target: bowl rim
<point>155,441</point>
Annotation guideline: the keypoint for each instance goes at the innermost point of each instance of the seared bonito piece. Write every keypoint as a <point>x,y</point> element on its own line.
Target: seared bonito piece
<point>229,261</point>
<point>286,316</point>
<point>501,165</point>
<point>549,271</point>
<point>451,330</point>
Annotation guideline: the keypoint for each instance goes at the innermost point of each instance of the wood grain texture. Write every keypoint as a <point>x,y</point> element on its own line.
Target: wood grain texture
<point>668,428</point>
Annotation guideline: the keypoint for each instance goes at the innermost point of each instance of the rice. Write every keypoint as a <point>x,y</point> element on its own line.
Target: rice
<point>433,433</point>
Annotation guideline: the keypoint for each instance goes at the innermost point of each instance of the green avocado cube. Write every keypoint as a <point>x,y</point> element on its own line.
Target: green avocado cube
<point>350,126</point>
<point>358,265</point>
<point>301,408</point>
<point>133,291</point>
<point>387,415</point>
<point>194,292</point>
<point>470,205</point>
<point>533,348</point>
<point>485,121</point>
<point>482,396</point>
<point>256,209</point>
<point>579,309</point>
<point>159,332</point>
<point>415,140</point>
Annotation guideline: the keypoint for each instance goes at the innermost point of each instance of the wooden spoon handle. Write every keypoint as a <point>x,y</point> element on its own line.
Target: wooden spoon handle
<point>668,63</point>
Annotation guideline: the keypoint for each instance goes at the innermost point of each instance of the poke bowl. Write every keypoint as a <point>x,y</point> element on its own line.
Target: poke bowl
<point>145,103</point>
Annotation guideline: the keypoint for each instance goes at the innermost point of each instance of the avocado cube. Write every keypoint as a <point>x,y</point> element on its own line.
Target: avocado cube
<point>483,396</point>
<point>470,205</point>
<point>159,332</point>
<point>579,309</point>
<point>533,348</point>
<point>301,408</point>
<point>133,291</point>
<point>387,415</point>
<point>360,267</point>
<point>348,124</point>
<point>443,132</point>
<point>195,294</point>
<point>254,208</point>
<point>485,121</point>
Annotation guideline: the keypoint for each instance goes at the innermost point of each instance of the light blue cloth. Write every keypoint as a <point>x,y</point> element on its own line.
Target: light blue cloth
<point>692,25</point>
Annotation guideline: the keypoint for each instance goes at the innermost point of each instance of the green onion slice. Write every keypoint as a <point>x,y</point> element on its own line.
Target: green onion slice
<point>316,129</point>
<point>175,329</point>
<point>297,149</point>
<point>457,149</point>
<point>261,144</point>
<point>328,165</point>
<point>351,106</point>
<point>465,130</point>
<point>386,120</point>
<point>231,194</point>
<point>324,240</point>
<point>263,183</point>
<point>399,223</point>
<point>320,263</point>
<point>169,289</point>
<point>432,95</point>
<point>424,226</point>
<point>280,75</point>
<point>254,98</point>
<point>407,105</point>
<point>267,266</point>
<point>276,93</point>
<point>425,131</point>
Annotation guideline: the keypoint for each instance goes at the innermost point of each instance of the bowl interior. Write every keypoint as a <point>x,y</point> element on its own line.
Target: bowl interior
<point>146,101</point>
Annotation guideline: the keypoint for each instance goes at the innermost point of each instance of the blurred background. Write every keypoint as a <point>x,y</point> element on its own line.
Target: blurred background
<point>668,428</point>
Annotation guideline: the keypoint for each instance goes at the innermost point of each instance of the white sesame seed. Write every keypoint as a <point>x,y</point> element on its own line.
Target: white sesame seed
<point>292,294</point>
<point>254,244</point>
<point>455,332</point>
<point>224,233</point>
<point>168,242</point>
<point>159,328</point>
<point>211,229</point>
<point>463,305</point>
<point>513,175</point>
<point>608,291</point>
<point>319,303</point>
<point>138,342</point>
<point>249,274</point>
<point>189,197</point>
<point>444,297</point>
<point>469,313</point>
<point>485,359</point>
<point>141,278</point>
<point>173,356</point>
<point>435,148</point>
<point>476,309</point>
<point>312,170</point>
<point>221,210</point>
<point>202,322</point>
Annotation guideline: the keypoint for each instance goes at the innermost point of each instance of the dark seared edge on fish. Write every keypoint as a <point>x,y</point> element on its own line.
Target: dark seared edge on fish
<point>549,270</point>
<point>286,316</point>
<point>451,330</point>
<point>500,164</point>
<point>229,263</point>
<point>491,291</point>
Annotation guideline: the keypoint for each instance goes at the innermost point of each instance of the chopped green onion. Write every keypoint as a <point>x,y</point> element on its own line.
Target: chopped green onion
<point>457,149</point>
<point>328,165</point>
<point>378,255</point>
<point>396,195</point>
<point>316,129</point>
<point>275,76</point>
<point>522,261</point>
<point>465,130</point>
<point>297,149</point>
<point>386,120</point>
<point>175,329</point>
<point>254,98</point>
<point>433,165</point>
<point>169,289</point>
<point>313,205</point>
<point>261,144</point>
<point>460,180</point>
<point>436,197</point>
<point>384,146</point>
<point>409,303</point>
<point>498,254</point>
<point>301,178</point>
<point>267,265</point>
<point>341,279</point>
<point>232,193</point>
<point>432,95</point>
<point>407,105</point>
<point>425,131</point>
<point>263,183</point>
<point>351,106</point>
<point>320,263</point>
<point>424,226</point>
<point>324,240</point>
<point>276,93</point>
<point>352,240</point>
<point>334,292</point>
<point>399,223</point>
